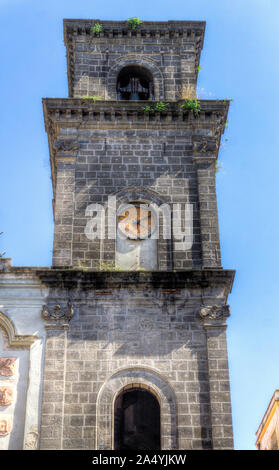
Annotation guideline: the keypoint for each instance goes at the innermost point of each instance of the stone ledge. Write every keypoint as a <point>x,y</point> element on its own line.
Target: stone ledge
<point>81,27</point>
<point>89,279</point>
<point>124,114</point>
<point>167,280</point>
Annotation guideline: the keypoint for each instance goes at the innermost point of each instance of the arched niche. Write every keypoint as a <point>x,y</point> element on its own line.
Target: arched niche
<point>135,62</point>
<point>135,83</point>
<point>136,377</point>
<point>137,419</point>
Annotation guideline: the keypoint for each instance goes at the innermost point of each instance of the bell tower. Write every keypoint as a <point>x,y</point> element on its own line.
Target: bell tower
<point>136,244</point>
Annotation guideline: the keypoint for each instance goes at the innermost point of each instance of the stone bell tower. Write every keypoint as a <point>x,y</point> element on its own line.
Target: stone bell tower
<point>135,318</point>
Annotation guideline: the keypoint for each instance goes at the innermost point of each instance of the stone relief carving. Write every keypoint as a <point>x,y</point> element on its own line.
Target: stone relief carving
<point>205,146</point>
<point>6,395</point>
<point>215,312</point>
<point>31,442</point>
<point>7,366</point>
<point>65,145</point>
<point>5,426</point>
<point>58,313</point>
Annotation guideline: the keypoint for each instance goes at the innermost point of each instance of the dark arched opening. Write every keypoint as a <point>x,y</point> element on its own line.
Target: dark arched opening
<point>135,83</point>
<point>136,421</point>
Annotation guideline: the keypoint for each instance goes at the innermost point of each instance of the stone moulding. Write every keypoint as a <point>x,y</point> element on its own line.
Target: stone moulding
<point>15,340</point>
<point>115,113</point>
<point>106,280</point>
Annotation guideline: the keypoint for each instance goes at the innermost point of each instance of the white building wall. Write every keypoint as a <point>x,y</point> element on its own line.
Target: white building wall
<point>22,336</point>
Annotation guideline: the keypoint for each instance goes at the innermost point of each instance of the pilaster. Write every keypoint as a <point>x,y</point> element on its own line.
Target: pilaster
<point>205,154</point>
<point>52,419</point>
<point>65,151</point>
<point>214,322</point>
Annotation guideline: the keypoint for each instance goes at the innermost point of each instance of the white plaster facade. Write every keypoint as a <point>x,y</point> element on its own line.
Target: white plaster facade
<point>22,336</point>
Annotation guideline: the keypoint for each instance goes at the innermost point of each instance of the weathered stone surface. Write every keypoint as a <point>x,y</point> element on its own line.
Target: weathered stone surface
<point>106,331</point>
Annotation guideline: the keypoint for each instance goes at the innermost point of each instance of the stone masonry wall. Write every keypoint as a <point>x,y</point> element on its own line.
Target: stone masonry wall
<point>111,162</point>
<point>171,50</point>
<point>109,149</point>
<point>136,332</point>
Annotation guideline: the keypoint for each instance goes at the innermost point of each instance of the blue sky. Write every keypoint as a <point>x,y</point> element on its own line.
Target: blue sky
<point>240,61</point>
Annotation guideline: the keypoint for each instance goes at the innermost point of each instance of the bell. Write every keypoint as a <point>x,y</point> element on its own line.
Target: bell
<point>134,97</point>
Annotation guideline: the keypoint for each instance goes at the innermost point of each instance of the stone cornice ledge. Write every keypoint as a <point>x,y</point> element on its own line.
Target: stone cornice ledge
<point>89,279</point>
<point>69,112</point>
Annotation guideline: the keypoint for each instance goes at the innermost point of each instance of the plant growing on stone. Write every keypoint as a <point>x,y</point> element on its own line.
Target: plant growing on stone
<point>96,29</point>
<point>161,106</point>
<point>188,92</point>
<point>92,97</point>
<point>217,167</point>
<point>134,22</point>
<point>199,68</point>
<point>192,105</point>
<point>2,254</point>
<point>147,109</point>
<point>109,267</point>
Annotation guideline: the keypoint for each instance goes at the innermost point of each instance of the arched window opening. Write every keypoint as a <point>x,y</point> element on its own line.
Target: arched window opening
<point>135,83</point>
<point>136,420</point>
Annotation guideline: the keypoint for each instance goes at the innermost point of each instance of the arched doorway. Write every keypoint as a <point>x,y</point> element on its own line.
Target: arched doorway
<point>135,83</point>
<point>136,420</point>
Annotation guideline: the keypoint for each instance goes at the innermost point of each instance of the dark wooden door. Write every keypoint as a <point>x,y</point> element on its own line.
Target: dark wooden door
<point>136,421</point>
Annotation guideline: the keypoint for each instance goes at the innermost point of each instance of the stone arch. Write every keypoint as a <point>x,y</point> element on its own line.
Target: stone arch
<point>14,340</point>
<point>136,377</point>
<point>141,194</point>
<point>135,60</point>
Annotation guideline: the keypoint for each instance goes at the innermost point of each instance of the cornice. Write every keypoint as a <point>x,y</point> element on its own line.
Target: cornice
<point>80,113</point>
<point>116,29</point>
<point>112,114</point>
<point>166,280</point>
